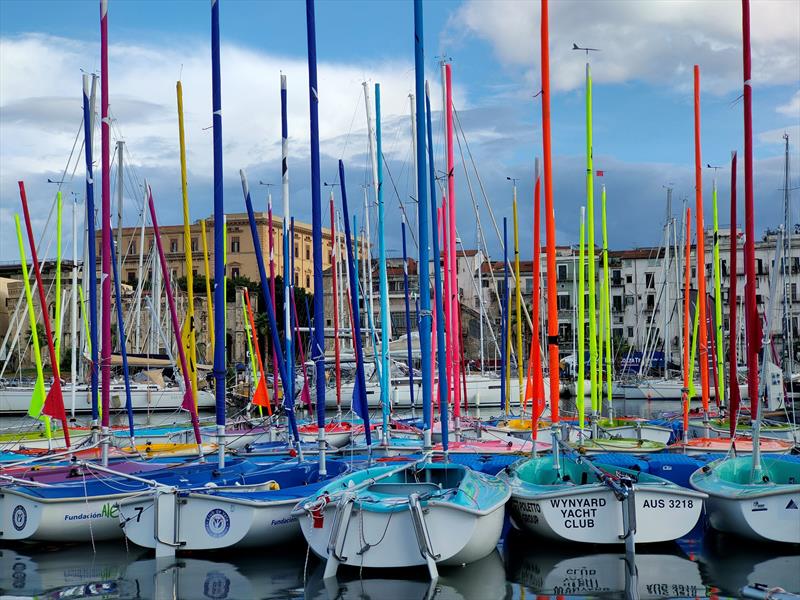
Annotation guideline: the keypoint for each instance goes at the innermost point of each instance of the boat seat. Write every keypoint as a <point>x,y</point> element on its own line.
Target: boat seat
<point>402,488</point>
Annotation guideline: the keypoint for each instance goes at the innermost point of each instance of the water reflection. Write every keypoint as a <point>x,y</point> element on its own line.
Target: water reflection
<point>712,567</point>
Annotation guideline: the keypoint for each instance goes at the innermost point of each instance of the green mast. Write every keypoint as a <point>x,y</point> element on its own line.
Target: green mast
<point>718,302</point>
<point>581,358</point>
<point>593,368</point>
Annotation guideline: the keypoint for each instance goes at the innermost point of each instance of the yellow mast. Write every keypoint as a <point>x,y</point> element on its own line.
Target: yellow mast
<point>189,335</point>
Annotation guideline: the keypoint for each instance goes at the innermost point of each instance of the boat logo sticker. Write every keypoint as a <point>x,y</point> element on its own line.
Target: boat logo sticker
<point>19,517</point>
<point>792,505</point>
<point>216,585</point>
<point>758,506</point>
<point>218,523</point>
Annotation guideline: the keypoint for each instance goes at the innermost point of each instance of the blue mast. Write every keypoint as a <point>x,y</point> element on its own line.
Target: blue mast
<point>288,401</point>
<point>408,315</point>
<point>288,382</point>
<point>360,392</point>
<point>318,346</point>
<point>92,235</point>
<point>123,343</point>
<point>384,286</point>
<point>422,217</point>
<point>437,273</point>
<point>504,342</point>
<point>219,227</point>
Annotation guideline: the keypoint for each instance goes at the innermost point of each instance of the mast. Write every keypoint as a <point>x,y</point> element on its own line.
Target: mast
<point>261,396</point>
<point>788,333</point>
<point>318,346</point>
<point>701,242</point>
<point>367,264</point>
<point>665,274</point>
<point>209,303</point>
<point>105,314</point>
<point>382,277</point>
<point>580,399</point>
<point>219,241</point>
<point>54,402</point>
<point>538,383</point>
<point>607,302</point>
<point>140,279</point>
<point>335,293</point>
<point>288,379</point>
<point>189,333</point>
<point>272,291</point>
<point>424,277</point>
<point>74,309</point>
<point>595,387</point>
<point>120,188</point>
<point>552,312</point>
<point>686,319</point>
<point>123,346</point>
<point>751,309</point>
<point>188,397</point>
<point>518,298</point>
<point>452,301</point>
<point>408,314</point>
<point>733,383</point>
<point>504,366</point>
<point>57,318</point>
<point>720,354</point>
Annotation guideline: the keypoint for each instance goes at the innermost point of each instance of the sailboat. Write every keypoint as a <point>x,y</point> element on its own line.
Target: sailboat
<point>564,496</point>
<point>754,496</point>
<point>417,513</point>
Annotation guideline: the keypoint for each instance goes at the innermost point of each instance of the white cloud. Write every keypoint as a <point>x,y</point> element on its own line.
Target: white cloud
<point>656,41</point>
<point>792,107</point>
<point>41,111</point>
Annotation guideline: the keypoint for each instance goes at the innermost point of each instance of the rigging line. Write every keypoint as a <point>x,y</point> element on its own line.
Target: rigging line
<point>489,207</point>
<point>399,200</point>
<point>350,130</point>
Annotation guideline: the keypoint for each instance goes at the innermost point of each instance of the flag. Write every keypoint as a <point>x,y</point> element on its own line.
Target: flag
<point>38,399</point>
<point>188,400</point>
<point>261,396</point>
<point>54,403</point>
<point>600,173</point>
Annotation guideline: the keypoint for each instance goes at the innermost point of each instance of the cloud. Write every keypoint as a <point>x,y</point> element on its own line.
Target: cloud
<point>792,107</point>
<point>656,41</point>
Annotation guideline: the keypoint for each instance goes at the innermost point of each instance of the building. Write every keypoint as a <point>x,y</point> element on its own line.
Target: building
<point>138,245</point>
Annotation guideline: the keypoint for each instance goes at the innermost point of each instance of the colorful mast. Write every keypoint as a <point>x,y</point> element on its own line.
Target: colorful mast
<point>335,288</point>
<point>54,402</point>
<point>123,345</point>
<point>538,379</point>
<point>686,318</point>
<point>272,291</point>
<point>189,333</point>
<point>382,277</point>
<point>209,303</point>
<point>504,366</point>
<point>720,354</point>
<point>733,383</point>
<point>288,379</point>
<point>421,99</point>
<point>57,324</point>
<point>36,407</point>
<point>105,216</point>
<point>552,311</point>
<point>518,298</point>
<point>580,399</point>
<point>261,396</point>
<point>92,247</point>
<point>701,242</point>
<point>408,313</point>
<point>452,301</point>
<point>219,228</point>
<point>188,397</point>
<point>424,276</point>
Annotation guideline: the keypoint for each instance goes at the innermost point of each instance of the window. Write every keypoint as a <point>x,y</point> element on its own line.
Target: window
<point>308,253</point>
<point>630,332</point>
<point>616,277</point>
<point>724,267</point>
<point>194,272</point>
<point>131,275</point>
<point>485,283</point>
<point>308,282</point>
<point>564,331</point>
<point>477,303</point>
<point>235,245</point>
<point>651,301</point>
<point>133,247</point>
<point>794,292</point>
<point>234,272</point>
<point>563,302</point>
<point>194,244</point>
<point>328,321</point>
<point>296,279</point>
<point>616,303</point>
<point>296,251</point>
<point>562,272</point>
<point>616,333</point>
<point>650,280</point>
<point>759,299</point>
<point>173,245</point>
<point>628,278</point>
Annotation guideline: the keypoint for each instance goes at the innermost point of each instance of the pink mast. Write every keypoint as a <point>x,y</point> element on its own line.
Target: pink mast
<point>275,374</point>
<point>448,312</point>
<point>188,397</point>
<point>452,300</point>
<point>105,136</point>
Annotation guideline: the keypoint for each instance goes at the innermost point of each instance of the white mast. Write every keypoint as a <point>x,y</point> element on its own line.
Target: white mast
<point>74,309</point>
<point>373,157</point>
<point>140,280</point>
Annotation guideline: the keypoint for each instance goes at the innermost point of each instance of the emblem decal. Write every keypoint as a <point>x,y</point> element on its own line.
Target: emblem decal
<point>19,518</point>
<point>218,523</point>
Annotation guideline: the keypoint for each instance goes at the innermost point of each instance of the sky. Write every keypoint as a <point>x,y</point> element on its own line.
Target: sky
<point>642,101</point>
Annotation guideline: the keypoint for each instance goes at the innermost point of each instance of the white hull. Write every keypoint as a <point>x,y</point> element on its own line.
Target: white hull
<point>457,536</point>
<point>208,522</point>
<point>789,433</point>
<point>656,389</point>
<point>591,514</point>
<point>23,517</point>
<point>763,517</point>
<point>654,433</point>
<point>144,398</point>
